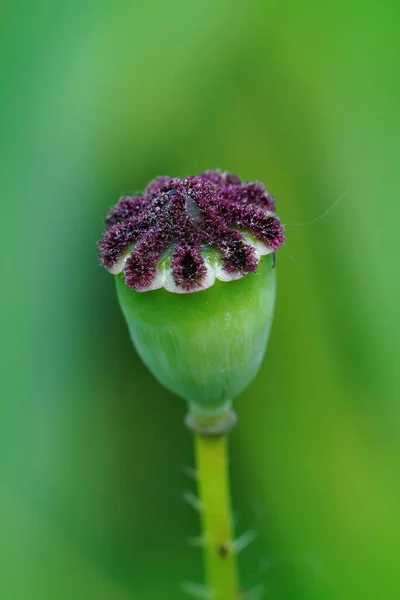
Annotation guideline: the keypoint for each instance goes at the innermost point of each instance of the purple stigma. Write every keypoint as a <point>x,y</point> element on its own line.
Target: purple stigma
<point>165,237</point>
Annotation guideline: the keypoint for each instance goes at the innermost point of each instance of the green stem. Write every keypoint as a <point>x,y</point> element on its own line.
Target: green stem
<point>213,482</point>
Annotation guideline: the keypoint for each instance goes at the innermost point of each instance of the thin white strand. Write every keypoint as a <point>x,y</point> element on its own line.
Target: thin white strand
<point>320,216</point>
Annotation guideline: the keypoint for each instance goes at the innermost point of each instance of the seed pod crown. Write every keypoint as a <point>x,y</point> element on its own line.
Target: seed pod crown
<point>183,234</point>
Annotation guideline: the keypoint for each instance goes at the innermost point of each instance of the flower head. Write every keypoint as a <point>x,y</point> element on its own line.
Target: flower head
<point>183,234</point>
<point>209,232</point>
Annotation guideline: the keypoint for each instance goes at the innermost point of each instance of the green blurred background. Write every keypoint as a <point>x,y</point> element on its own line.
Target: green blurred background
<point>98,97</point>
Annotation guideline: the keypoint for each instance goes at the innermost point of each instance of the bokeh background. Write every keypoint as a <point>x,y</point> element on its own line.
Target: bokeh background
<point>98,97</point>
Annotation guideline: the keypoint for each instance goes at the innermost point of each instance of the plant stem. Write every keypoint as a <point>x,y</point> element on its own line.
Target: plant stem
<point>213,482</point>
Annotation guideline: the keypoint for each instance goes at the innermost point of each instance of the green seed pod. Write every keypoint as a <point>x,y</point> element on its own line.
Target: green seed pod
<point>204,347</point>
<point>193,260</point>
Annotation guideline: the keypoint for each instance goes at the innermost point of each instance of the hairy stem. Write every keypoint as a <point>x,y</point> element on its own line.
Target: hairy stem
<point>213,482</point>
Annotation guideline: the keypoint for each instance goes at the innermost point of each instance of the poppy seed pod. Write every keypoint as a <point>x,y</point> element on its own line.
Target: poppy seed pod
<point>193,260</point>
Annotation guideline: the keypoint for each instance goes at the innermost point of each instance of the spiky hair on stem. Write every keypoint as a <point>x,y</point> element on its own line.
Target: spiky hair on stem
<point>182,234</point>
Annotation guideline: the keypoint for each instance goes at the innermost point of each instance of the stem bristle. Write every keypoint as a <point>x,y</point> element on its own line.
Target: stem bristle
<point>193,501</point>
<point>244,540</point>
<point>196,590</point>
